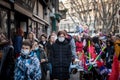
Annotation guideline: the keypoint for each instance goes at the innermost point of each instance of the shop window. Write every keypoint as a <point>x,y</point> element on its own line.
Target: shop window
<point>3,21</point>
<point>13,28</point>
<point>44,29</point>
<point>40,28</point>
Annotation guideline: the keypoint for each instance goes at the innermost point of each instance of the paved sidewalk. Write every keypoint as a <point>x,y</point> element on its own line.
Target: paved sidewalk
<point>72,76</point>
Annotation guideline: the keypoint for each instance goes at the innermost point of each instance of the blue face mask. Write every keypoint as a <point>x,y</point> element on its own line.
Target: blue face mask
<point>36,48</point>
<point>25,52</point>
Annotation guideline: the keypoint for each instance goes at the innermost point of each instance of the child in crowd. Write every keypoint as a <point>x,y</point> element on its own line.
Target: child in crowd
<point>41,55</point>
<point>27,65</point>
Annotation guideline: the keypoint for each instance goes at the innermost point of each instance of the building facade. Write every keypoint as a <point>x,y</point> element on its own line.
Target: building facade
<point>74,15</point>
<point>30,15</point>
<point>94,14</point>
<point>67,23</point>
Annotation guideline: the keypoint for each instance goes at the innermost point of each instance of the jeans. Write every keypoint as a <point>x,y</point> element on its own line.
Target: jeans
<point>50,68</point>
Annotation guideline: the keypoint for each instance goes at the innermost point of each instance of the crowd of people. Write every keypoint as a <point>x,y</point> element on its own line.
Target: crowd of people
<point>30,58</point>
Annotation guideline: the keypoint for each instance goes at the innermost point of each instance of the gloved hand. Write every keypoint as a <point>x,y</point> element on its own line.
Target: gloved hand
<point>91,62</point>
<point>94,64</point>
<point>77,60</point>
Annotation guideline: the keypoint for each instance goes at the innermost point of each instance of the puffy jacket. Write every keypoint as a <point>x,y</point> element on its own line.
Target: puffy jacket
<point>27,68</point>
<point>61,58</point>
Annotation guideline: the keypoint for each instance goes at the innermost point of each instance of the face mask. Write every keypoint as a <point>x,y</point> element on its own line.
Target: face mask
<point>25,52</point>
<point>44,42</point>
<point>36,48</point>
<point>61,39</point>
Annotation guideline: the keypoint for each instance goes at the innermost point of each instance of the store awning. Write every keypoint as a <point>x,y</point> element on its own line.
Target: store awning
<point>39,20</point>
<point>5,4</point>
<point>22,10</point>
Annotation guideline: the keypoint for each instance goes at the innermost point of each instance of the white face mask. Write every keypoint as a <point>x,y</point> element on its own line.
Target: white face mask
<point>61,39</point>
<point>36,48</point>
<point>44,42</point>
<point>25,52</point>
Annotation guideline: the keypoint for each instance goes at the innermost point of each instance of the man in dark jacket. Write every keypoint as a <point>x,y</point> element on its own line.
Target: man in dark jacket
<point>17,42</point>
<point>61,57</point>
<point>109,52</point>
<point>43,40</point>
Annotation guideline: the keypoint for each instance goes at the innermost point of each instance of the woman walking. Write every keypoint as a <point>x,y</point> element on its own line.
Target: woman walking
<point>61,57</point>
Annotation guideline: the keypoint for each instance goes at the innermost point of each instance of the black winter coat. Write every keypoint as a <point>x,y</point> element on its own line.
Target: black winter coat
<point>61,58</point>
<point>7,64</point>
